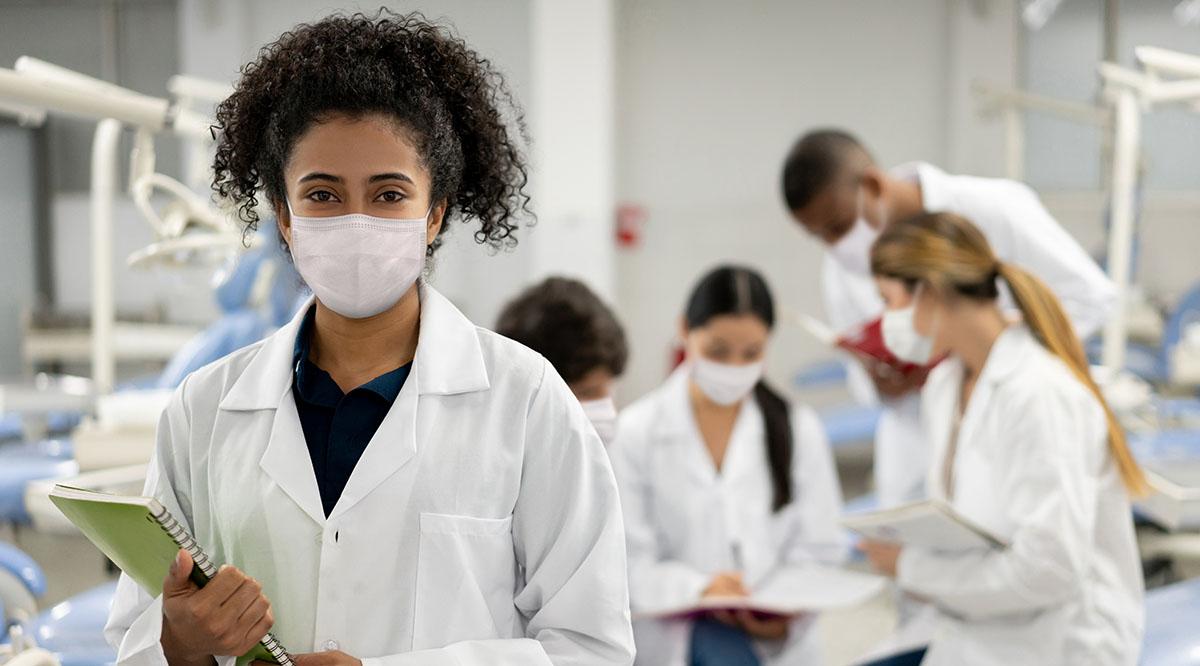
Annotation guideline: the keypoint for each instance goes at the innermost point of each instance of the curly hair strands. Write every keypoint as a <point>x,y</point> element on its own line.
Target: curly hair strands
<point>450,101</point>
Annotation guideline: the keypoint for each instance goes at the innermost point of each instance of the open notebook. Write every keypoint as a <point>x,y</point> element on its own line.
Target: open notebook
<point>929,524</point>
<point>784,592</point>
<point>142,538</point>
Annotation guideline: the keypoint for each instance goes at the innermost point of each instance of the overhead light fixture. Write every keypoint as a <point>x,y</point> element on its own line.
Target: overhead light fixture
<point>1036,13</point>
<point>1188,12</point>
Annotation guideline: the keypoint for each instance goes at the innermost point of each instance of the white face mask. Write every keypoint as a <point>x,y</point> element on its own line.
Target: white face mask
<point>900,336</point>
<point>603,415</point>
<point>853,250</point>
<point>358,265</point>
<point>725,384</point>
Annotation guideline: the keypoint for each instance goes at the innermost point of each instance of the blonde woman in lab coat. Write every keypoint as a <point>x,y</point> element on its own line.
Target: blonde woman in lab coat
<point>389,484</point>
<point>1025,446</point>
<point>721,481</point>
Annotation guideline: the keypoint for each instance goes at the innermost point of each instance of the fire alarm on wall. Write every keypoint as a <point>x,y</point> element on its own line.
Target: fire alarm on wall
<point>630,220</point>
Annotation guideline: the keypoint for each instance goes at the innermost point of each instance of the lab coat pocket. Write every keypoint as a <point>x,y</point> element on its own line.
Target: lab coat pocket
<point>466,579</point>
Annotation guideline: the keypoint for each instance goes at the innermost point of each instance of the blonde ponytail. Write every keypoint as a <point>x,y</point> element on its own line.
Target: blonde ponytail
<point>1046,319</point>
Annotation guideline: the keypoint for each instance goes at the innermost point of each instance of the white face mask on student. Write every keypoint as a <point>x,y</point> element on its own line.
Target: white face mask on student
<point>853,250</point>
<point>358,265</point>
<point>723,383</point>
<point>602,412</point>
<point>900,335</point>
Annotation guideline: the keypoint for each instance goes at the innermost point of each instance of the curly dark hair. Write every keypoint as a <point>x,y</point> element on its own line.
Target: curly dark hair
<point>450,98</point>
<point>564,321</point>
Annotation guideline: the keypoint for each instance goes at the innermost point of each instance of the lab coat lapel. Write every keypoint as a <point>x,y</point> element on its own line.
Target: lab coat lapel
<point>391,447</point>
<point>1003,359</point>
<point>678,425</point>
<point>449,360</point>
<point>266,384</point>
<point>288,463</point>
<point>940,403</point>
<point>745,440</point>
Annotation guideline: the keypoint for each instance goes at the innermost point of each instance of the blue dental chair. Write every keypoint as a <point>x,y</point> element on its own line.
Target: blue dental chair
<point>1171,637</point>
<point>240,324</point>
<point>72,630</point>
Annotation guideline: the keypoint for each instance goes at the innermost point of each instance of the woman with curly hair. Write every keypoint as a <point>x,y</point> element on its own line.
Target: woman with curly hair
<point>387,483</point>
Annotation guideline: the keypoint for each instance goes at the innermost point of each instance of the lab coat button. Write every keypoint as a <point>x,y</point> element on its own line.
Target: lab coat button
<point>330,645</point>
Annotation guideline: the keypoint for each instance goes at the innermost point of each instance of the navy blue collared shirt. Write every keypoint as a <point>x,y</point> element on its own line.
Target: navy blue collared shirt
<point>337,426</point>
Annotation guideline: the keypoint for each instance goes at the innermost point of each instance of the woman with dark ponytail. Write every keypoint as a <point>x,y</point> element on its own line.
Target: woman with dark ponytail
<point>721,482</point>
<point>1025,446</point>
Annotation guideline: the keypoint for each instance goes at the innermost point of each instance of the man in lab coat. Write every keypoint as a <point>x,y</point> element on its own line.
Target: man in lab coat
<point>842,197</point>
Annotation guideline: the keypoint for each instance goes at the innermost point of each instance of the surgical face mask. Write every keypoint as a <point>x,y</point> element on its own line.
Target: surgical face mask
<point>358,265</point>
<point>725,384</point>
<point>853,250</point>
<point>900,336</point>
<point>603,415</point>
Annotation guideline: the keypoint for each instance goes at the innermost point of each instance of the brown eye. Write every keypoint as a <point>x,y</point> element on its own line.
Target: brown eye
<point>391,196</point>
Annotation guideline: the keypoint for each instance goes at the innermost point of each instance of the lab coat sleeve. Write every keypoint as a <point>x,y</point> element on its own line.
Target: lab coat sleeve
<point>816,508</point>
<point>1039,244</point>
<point>1048,499</point>
<point>655,580</point>
<point>568,536</point>
<point>135,620</point>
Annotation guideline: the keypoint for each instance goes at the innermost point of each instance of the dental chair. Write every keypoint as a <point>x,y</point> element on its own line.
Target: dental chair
<point>1171,638</point>
<point>1177,359</point>
<point>22,583</point>
<point>260,276</point>
<point>70,633</point>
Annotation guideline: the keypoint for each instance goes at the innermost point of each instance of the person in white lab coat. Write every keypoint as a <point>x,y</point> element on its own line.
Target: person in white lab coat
<point>722,481</point>
<point>388,483</point>
<point>1025,446</point>
<point>561,319</point>
<point>837,192</point>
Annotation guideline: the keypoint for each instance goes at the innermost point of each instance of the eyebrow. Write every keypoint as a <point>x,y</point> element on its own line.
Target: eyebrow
<point>317,175</point>
<point>395,175</point>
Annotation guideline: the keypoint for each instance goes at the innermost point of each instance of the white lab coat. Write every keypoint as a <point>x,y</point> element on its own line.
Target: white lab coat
<point>481,525</point>
<point>682,518</point>
<point>1032,466</point>
<point>1021,231</point>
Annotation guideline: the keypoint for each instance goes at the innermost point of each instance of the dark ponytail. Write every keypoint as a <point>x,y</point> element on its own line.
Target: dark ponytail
<point>734,290</point>
<point>778,421</point>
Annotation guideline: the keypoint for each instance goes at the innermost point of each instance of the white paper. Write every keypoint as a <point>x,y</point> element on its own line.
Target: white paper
<point>926,524</point>
<point>790,591</point>
<point>816,328</point>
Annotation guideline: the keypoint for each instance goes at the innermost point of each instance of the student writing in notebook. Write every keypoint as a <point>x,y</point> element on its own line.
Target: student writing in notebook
<point>564,321</point>
<point>723,481</point>
<point>1025,446</point>
<point>391,484</point>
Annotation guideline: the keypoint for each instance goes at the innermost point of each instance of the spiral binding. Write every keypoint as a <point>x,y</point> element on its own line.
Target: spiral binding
<point>180,536</point>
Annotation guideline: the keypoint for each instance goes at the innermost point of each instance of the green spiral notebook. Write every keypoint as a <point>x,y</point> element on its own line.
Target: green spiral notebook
<point>142,538</point>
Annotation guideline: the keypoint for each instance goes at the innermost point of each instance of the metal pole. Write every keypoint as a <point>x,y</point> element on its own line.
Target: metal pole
<point>1112,11</point>
<point>103,195</point>
<point>1014,143</point>
<point>1120,235</point>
